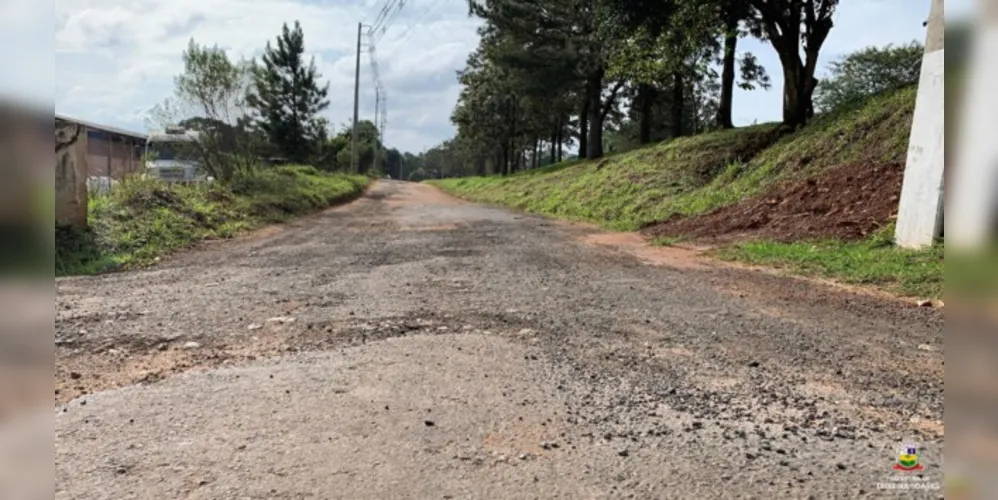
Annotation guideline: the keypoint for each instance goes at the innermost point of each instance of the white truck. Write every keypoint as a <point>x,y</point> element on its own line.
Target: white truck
<point>172,155</point>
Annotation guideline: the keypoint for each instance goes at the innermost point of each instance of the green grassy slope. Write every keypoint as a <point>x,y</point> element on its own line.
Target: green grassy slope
<point>696,174</point>
<point>141,220</point>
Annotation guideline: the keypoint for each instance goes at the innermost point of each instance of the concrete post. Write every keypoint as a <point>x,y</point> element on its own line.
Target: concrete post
<point>920,211</point>
<point>70,174</point>
<point>971,204</point>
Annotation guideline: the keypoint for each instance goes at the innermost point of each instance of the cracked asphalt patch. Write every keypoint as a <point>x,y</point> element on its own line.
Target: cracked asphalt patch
<point>410,345</point>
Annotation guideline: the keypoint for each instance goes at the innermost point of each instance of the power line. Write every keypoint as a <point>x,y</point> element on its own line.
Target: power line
<point>382,13</point>
<point>368,15</point>
<point>390,12</point>
<point>408,30</point>
<point>376,30</point>
<point>380,109</point>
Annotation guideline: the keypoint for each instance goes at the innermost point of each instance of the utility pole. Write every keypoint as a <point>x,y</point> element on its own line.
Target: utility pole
<point>920,209</point>
<point>356,102</point>
<point>377,146</point>
<point>384,123</point>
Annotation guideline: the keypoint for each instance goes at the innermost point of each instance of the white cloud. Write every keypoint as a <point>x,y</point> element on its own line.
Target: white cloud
<point>115,59</point>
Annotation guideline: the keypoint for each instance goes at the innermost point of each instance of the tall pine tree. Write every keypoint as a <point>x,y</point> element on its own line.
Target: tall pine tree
<point>287,97</point>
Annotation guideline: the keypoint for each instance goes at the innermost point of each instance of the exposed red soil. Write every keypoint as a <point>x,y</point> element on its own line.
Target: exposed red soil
<point>847,202</point>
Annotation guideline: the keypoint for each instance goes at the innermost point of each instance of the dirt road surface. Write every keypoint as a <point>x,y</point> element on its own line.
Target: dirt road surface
<point>410,345</point>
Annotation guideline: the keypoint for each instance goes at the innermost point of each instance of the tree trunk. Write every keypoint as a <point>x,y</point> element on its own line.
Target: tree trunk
<point>694,126</point>
<point>594,91</point>
<point>795,97</point>
<point>554,144</point>
<point>678,104</point>
<point>561,135</point>
<point>537,152</point>
<point>798,76</point>
<point>809,96</point>
<point>513,159</point>
<point>728,74</point>
<point>512,156</point>
<point>584,129</point>
<point>645,98</point>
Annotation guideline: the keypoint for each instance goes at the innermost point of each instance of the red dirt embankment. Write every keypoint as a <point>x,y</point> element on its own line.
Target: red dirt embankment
<point>847,202</point>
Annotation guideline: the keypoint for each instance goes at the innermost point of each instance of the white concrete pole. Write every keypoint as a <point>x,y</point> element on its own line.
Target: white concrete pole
<point>970,201</point>
<point>920,211</point>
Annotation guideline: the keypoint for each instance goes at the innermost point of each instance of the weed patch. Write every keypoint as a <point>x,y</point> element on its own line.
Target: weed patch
<point>915,273</point>
<point>143,219</point>
<point>693,175</point>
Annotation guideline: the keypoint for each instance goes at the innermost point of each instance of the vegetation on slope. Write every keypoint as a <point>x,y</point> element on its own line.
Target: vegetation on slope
<point>693,175</point>
<point>143,219</point>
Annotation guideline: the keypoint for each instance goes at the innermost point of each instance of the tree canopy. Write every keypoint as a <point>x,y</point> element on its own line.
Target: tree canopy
<point>287,96</point>
<point>868,72</point>
<point>267,111</point>
<point>593,75</point>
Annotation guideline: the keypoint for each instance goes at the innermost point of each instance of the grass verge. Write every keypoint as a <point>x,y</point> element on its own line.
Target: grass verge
<point>873,262</point>
<point>693,175</point>
<point>621,191</point>
<point>144,219</point>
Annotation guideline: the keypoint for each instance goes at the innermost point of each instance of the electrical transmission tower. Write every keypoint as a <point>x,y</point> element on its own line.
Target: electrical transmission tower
<point>369,38</point>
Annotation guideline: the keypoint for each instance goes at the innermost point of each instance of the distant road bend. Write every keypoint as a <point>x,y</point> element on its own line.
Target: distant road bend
<point>411,345</point>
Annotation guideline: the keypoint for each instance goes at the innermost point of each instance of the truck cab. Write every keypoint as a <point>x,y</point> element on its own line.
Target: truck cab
<point>172,155</point>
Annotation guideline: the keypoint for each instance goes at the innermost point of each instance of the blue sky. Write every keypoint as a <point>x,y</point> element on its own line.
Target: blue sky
<point>115,59</point>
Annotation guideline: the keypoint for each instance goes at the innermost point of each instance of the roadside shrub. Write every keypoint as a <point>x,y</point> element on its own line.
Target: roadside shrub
<point>298,170</point>
<point>142,219</point>
<point>865,73</point>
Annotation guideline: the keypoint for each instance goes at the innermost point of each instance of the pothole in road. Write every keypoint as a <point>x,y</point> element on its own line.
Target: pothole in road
<point>438,227</point>
<point>635,245</point>
<point>89,366</point>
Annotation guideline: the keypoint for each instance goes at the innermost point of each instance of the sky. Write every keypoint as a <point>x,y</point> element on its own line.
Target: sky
<point>116,59</point>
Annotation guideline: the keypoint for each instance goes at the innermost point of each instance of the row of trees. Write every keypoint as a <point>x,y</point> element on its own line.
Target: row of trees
<point>270,109</point>
<point>550,74</point>
<point>849,81</point>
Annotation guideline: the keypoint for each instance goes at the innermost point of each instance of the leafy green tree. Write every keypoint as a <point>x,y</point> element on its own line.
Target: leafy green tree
<point>550,47</point>
<point>368,143</point>
<point>287,97</point>
<point>867,72</point>
<point>795,28</point>
<point>670,56</point>
<point>209,96</point>
<point>393,163</point>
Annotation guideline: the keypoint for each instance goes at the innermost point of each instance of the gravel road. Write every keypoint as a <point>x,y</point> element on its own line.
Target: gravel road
<point>410,345</point>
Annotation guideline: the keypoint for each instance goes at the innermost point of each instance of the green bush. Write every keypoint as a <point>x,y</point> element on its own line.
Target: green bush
<point>142,219</point>
<point>868,72</point>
